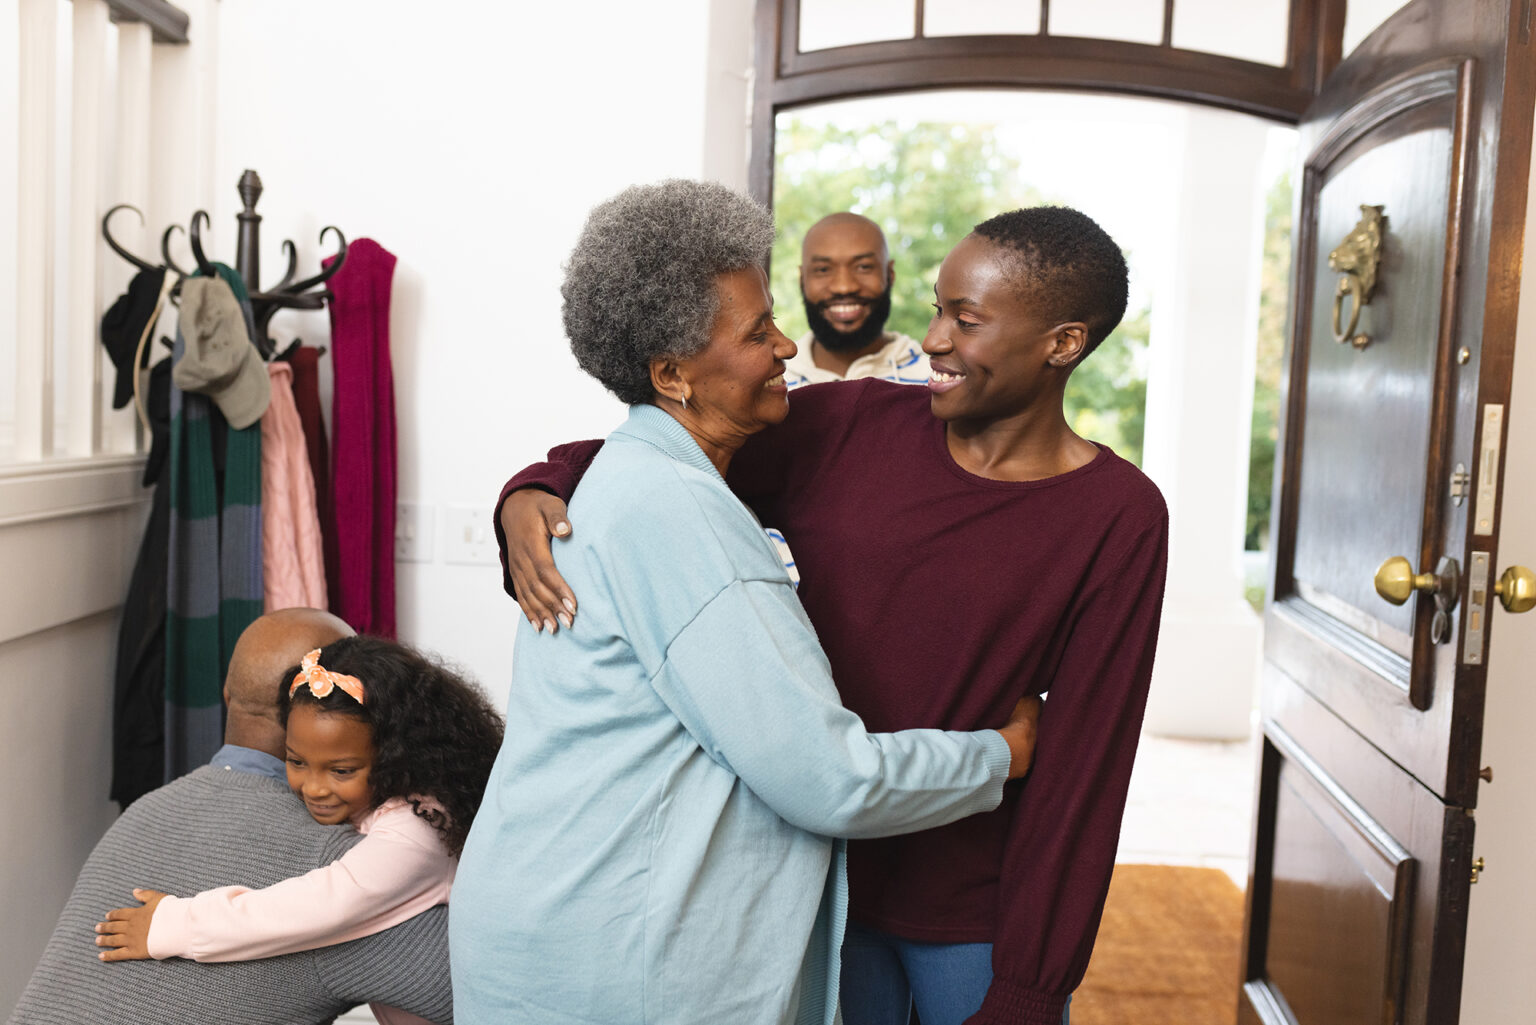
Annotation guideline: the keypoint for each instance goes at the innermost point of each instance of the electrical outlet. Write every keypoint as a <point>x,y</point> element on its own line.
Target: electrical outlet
<point>467,536</point>
<point>413,532</point>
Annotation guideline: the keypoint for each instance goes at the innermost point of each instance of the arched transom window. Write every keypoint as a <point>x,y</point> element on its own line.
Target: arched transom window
<point>1262,57</point>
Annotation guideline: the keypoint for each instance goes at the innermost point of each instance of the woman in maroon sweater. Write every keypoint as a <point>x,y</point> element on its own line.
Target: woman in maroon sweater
<point>958,548</point>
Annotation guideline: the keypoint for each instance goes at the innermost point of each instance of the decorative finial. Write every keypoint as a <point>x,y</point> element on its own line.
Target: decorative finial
<point>250,190</point>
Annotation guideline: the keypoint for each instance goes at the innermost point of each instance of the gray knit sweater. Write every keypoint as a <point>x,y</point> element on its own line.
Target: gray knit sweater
<point>217,827</point>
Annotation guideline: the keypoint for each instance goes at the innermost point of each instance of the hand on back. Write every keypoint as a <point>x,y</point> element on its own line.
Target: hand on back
<point>530,518</point>
<point>1020,732</point>
<point>126,930</point>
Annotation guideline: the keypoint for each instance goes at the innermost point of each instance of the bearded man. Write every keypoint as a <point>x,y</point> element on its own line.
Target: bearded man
<point>845,280</point>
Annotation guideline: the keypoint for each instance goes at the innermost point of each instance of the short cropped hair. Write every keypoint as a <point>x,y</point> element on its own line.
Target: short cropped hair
<point>1066,264</point>
<point>640,283</point>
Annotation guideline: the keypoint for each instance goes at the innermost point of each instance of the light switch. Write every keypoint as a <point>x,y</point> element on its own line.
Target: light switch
<point>413,532</point>
<point>468,539</point>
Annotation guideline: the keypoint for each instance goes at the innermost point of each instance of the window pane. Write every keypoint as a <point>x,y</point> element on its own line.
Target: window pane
<point>981,17</point>
<point>828,23</point>
<point>1135,21</point>
<point>1255,31</point>
<point>1362,17</point>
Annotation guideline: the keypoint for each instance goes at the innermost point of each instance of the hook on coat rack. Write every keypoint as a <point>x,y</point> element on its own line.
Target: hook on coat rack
<point>286,294</point>
<point>196,238</point>
<point>106,233</point>
<point>165,252</point>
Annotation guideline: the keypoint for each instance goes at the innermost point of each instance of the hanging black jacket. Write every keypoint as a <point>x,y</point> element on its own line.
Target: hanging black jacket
<point>138,723</point>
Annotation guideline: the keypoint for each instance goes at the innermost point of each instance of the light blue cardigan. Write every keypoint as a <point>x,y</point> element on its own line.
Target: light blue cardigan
<point>655,843</point>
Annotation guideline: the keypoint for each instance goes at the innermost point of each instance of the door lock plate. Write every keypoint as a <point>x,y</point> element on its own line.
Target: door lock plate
<point>1488,470</point>
<point>1479,574</point>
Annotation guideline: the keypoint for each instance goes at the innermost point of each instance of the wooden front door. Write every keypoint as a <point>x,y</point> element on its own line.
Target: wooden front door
<point>1391,446</point>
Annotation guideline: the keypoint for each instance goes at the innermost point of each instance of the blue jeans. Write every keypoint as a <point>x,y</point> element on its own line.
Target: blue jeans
<point>884,977</point>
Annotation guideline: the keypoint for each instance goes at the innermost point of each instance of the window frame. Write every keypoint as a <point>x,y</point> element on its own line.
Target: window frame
<point>785,77</point>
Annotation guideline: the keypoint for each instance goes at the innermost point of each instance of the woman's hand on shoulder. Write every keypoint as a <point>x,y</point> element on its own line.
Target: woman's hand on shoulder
<point>1020,733</point>
<point>529,519</point>
<point>126,930</point>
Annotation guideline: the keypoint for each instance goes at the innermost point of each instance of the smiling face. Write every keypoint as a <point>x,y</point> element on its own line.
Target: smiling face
<point>329,758</point>
<point>735,385</point>
<point>993,353</point>
<point>845,279</point>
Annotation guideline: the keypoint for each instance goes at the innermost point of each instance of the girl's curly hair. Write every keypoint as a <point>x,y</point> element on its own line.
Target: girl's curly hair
<point>434,733</point>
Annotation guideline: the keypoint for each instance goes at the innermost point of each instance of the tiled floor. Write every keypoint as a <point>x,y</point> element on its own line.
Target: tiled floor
<point>1190,804</point>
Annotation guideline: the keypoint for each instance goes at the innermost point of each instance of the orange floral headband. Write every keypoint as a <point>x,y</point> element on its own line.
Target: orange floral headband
<point>321,680</point>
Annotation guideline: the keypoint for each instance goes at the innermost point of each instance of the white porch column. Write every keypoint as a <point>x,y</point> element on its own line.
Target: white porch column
<point>1199,403</point>
<point>728,93</point>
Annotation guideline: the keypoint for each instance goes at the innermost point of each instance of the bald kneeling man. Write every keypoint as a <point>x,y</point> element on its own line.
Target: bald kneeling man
<point>233,821</point>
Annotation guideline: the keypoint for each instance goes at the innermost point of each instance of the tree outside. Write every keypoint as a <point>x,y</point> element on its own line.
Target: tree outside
<point>1274,290</point>
<point>927,184</point>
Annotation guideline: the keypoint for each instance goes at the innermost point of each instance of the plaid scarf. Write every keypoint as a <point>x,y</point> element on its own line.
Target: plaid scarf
<point>214,588</point>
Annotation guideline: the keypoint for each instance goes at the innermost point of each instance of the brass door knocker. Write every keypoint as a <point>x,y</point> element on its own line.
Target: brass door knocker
<point>1356,259</point>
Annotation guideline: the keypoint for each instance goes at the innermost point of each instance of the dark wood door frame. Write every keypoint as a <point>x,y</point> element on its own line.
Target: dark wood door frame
<point>786,78</point>
<point>1381,747</point>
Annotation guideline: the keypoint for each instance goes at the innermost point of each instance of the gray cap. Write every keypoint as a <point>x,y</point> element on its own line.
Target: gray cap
<point>220,361</point>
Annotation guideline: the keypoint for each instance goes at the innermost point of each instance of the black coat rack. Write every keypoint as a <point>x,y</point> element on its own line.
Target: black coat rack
<point>287,294</point>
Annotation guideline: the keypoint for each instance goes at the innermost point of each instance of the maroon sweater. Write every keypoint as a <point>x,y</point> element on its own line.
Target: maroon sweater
<point>941,599</point>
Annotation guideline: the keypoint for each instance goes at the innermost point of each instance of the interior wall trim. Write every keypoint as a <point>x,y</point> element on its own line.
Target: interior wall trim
<point>29,494</point>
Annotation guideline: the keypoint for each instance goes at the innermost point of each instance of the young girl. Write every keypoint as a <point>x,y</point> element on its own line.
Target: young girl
<point>378,737</point>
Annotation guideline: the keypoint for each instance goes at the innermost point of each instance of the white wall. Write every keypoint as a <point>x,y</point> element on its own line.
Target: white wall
<point>470,143</point>
<point>1499,987</point>
<point>57,746</point>
<point>58,629</point>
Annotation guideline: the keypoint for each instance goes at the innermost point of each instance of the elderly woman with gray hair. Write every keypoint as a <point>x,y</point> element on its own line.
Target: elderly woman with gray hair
<point>656,842</point>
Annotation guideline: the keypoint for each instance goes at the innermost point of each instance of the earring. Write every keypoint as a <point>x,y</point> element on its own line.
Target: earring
<point>685,400</point>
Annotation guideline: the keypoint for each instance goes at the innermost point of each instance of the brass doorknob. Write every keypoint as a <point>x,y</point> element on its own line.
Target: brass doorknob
<point>1516,588</point>
<point>1396,581</point>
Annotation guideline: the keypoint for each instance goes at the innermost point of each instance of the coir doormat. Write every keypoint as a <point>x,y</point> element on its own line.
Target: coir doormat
<point>1167,952</point>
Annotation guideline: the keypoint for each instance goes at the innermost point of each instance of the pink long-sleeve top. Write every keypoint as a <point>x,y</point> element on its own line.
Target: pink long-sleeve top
<point>292,558</point>
<point>399,870</point>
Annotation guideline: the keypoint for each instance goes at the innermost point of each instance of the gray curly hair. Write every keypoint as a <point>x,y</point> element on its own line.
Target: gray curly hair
<point>640,283</point>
